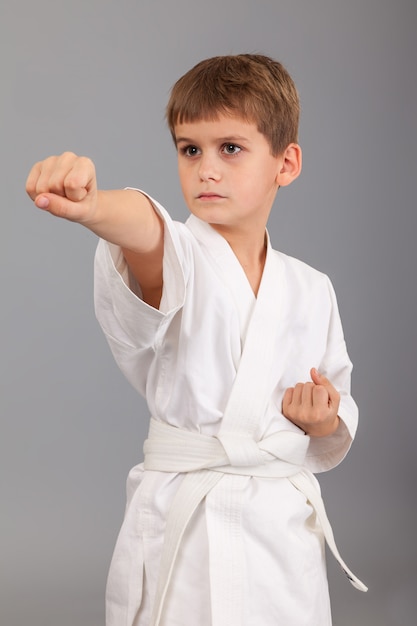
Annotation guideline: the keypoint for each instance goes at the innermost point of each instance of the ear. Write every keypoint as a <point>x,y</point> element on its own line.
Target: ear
<point>290,165</point>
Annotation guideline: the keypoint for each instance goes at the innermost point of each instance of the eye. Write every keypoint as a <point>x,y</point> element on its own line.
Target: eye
<point>231,148</point>
<point>190,151</point>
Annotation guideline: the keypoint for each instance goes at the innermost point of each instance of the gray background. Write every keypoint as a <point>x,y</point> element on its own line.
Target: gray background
<point>93,77</point>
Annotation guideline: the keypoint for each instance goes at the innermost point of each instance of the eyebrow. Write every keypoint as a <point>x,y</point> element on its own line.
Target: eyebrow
<point>231,139</point>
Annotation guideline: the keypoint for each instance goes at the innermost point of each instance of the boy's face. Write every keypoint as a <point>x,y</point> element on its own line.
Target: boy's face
<point>228,175</point>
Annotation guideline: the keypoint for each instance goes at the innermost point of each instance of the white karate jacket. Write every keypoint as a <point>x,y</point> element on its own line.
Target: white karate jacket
<point>252,551</point>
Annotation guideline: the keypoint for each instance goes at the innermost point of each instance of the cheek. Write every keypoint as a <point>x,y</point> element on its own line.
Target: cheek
<point>183,178</point>
<point>250,186</point>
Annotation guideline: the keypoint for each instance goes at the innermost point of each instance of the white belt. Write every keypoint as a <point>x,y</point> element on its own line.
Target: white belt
<point>205,460</point>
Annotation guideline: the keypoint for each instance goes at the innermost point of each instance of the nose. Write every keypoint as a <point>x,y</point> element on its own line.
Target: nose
<point>208,168</point>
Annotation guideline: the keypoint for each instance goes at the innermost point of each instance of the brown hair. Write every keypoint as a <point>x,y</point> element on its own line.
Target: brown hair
<point>253,86</point>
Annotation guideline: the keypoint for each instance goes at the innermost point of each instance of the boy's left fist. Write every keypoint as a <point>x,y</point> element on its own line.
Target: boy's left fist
<point>313,406</point>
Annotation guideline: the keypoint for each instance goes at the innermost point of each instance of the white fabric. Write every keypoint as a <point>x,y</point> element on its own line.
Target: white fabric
<point>253,541</point>
<point>169,449</point>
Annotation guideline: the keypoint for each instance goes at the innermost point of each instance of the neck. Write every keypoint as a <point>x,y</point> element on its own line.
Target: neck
<point>250,252</point>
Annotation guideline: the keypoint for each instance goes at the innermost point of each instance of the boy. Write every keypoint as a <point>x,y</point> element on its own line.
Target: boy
<point>224,523</point>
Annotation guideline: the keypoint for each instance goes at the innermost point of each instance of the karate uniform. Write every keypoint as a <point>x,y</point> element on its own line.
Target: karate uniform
<point>251,549</point>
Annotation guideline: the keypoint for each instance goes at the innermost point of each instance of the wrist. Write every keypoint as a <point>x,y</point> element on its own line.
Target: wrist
<point>325,429</point>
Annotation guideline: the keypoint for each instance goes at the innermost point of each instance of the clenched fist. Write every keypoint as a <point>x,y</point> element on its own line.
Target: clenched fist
<point>66,186</point>
<point>313,406</point>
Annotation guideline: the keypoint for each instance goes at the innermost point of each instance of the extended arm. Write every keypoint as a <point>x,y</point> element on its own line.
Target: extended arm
<point>66,186</point>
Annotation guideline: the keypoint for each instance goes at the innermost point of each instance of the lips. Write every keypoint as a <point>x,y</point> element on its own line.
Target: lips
<point>209,196</point>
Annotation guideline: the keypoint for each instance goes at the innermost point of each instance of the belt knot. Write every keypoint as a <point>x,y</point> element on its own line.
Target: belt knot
<point>241,449</point>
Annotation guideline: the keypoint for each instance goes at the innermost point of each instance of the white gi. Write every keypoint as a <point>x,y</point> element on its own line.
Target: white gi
<point>244,544</point>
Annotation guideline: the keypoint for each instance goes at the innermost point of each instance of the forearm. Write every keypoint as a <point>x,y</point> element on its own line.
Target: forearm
<point>126,218</point>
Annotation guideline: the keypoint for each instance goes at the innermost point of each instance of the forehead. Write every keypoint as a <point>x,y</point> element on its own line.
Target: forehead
<point>222,126</point>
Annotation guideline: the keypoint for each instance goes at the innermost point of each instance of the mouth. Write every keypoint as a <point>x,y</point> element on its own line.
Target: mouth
<point>209,196</point>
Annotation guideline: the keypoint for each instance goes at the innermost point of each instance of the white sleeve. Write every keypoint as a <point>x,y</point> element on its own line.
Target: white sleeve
<point>135,330</point>
<point>327,452</point>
